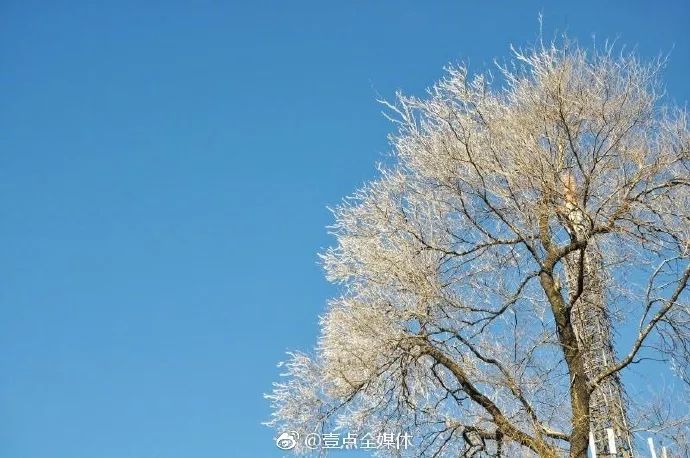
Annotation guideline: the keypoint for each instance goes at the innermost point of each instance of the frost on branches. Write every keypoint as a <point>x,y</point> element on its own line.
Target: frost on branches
<point>455,323</point>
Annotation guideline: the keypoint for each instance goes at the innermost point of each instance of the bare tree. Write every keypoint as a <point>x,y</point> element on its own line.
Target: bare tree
<point>516,207</point>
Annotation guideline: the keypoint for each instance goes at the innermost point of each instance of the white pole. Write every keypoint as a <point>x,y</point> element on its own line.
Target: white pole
<point>650,441</point>
<point>663,452</point>
<point>612,441</point>
<point>592,445</point>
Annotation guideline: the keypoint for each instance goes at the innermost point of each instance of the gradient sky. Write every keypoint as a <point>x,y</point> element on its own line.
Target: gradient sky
<point>165,169</point>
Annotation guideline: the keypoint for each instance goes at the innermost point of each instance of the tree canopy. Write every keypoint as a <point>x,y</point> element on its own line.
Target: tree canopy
<point>455,321</point>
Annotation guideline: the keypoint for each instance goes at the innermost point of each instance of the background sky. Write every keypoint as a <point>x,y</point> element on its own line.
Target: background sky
<point>165,169</point>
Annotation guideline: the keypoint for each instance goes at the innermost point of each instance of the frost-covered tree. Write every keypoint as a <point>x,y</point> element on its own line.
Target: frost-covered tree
<point>466,266</point>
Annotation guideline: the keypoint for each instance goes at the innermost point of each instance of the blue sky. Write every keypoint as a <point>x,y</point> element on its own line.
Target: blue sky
<point>165,169</point>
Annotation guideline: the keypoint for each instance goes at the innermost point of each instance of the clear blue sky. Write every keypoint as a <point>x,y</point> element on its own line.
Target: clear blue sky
<point>164,176</point>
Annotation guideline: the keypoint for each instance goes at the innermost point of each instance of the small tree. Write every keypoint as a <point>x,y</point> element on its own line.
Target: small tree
<point>459,265</point>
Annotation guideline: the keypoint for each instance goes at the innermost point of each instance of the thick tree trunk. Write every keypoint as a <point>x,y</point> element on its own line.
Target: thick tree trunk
<point>579,390</point>
<point>579,395</point>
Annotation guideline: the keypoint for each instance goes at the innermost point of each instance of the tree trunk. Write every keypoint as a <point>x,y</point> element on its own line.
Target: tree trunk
<point>579,391</point>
